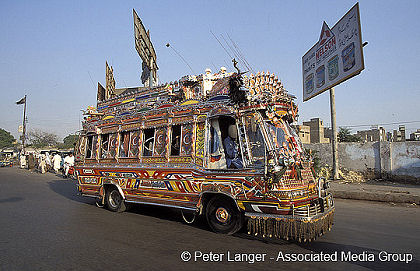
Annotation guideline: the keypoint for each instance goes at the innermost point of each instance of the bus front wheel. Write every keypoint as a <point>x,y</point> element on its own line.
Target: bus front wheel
<point>114,200</point>
<point>223,216</point>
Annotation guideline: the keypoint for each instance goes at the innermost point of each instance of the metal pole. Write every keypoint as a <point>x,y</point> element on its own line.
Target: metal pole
<point>151,73</point>
<point>24,127</point>
<point>334,135</point>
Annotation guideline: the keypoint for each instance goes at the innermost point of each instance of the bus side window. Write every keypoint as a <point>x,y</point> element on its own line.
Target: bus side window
<point>113,145</point>
<point>89,147</point>
<point>161,142</point>
<point>186,140</point>
<point>104,146</point>
<point>149,138</point>
<point>124,144</point>
<point>176,140</point>
<point>134,144</point>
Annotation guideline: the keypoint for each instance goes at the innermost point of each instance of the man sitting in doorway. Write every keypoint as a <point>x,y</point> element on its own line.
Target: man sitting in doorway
<point>232,153</point>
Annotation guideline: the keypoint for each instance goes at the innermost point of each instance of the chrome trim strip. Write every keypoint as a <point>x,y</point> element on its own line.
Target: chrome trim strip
<point>87,195</point>
<point>290,216</point>
<point>161,204</point>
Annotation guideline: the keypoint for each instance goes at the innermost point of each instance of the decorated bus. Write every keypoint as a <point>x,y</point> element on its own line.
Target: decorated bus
<point>219,145</point>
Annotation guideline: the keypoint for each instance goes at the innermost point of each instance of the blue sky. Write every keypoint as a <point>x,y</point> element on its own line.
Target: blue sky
<point>55,52</point>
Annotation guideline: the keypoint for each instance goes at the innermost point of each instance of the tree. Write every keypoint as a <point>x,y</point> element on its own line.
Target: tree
<point>344,135</point>
<point>6,139</point>
<point>69,141</point>
<point>39,138</point>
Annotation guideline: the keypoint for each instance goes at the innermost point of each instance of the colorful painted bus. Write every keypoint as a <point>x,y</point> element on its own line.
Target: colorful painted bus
<point>220,145</point>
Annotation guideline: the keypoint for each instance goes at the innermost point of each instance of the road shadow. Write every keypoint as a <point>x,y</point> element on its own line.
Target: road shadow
<point>11,199</point>
<point>167,213</point>
<point>68,189</point>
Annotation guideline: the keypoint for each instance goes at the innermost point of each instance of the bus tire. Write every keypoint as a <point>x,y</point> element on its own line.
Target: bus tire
<point>114,201</point>
<point>223,216</point>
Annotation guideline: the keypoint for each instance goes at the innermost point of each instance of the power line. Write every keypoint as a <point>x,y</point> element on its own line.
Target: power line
<point>172,47</point>
<point>230,57</point>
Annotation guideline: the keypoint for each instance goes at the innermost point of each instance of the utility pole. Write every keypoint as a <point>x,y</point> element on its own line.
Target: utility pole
<point>334,135</point>
<point>24,126</point>
<point>23,101</point>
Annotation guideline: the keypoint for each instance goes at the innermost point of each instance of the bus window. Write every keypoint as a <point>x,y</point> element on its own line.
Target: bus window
<point>217,155</point>
<point>104,146</point>
<point>89,147</point>
<point>149,138</point>
<point>255,140</point>
<point>186,142</point>
<point>161,142</point>
<point>176,140</point>
<point>134,144</point>
<point>80,147</point>
<point>124,144</point>
<point>113,144</point>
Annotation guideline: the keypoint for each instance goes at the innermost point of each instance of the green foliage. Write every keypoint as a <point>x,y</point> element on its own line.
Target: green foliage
<point>6,139</point>
<point>344,135</point>
<point>69,142</point>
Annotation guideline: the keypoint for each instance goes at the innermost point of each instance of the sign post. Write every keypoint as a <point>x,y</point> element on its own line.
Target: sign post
<point>334,134</point>
<point>336,57</point>
<point>146,51</point>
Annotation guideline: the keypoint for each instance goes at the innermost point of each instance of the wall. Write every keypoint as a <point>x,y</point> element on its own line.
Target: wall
<point>393,160</point>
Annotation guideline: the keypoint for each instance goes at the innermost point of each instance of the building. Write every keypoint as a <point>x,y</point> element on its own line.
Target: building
<point>373,135</point>
<point>304,133</point>
<point>399,135</point>
<point>415,136</point>
<point>316,130</point>
<point>389,136</point>
<point>328,133</point>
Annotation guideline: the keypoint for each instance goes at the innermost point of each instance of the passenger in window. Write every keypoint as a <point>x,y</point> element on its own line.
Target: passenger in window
<point>176,140</point>
<point>232,153</point>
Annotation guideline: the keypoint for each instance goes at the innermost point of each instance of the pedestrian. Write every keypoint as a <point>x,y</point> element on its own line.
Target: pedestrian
<point>22,160</point>
<point>57,162</point>
<point>48,161</point>
<point>42,164</point>
<point>68,162</point>
<point>31,162</point>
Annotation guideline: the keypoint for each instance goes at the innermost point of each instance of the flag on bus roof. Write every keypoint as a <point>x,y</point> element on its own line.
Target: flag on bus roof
<point>21,101</point>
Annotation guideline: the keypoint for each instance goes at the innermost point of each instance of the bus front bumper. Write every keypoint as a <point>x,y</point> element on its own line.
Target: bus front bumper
<point>304,225</point>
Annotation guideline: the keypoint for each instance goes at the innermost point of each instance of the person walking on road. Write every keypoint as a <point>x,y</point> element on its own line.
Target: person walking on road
<point>42,164</point>
<point>68,162</point>
<point>57,162</point>
<point>48,161</point>
<point>22,160</point>
<point>31,162</point>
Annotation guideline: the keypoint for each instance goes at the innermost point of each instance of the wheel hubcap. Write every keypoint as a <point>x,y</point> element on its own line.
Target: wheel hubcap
<point>222,215</point>
<point>114,199</point>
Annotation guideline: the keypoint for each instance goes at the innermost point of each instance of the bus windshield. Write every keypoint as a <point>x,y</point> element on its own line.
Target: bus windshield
<point>283,138</point>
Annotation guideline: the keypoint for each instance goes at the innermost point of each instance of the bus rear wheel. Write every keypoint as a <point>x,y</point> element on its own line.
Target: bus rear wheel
<point>223,216</point>
<point>114,200</point>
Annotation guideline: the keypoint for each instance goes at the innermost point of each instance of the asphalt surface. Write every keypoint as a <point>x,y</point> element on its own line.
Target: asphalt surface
<point>46,226</point>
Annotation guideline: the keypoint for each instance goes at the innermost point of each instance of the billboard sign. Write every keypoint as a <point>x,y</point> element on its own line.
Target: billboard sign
<point>143,44</point>
<point>336,57</point>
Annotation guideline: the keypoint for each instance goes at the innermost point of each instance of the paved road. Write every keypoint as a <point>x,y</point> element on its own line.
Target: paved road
<point>46,226</point>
